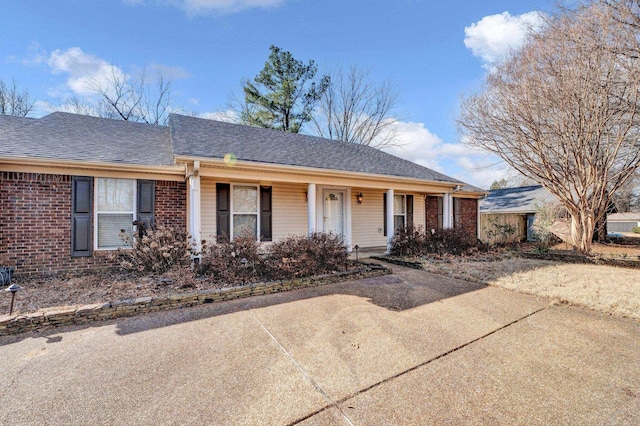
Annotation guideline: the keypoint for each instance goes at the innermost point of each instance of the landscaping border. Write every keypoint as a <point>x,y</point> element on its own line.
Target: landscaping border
<point>576,258</point>
<point>399,261</point>
<point>21,323</point>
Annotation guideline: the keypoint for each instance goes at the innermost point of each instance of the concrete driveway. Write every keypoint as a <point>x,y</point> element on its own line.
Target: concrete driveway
<point>410,348</point>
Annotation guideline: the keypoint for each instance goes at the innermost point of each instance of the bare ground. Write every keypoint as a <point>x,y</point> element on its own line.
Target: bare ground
<point>44,292</point>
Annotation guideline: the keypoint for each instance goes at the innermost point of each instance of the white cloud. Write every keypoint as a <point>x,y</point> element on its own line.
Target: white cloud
<point>197,7</point>
<point>154,70</point>
<point>416,143</point>
<point>471,165</point>
<point>228,116</point>
<point>495,36</point>
<point>85,70</point>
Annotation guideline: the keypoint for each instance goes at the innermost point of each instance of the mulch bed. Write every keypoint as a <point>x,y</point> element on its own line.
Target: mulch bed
<point>42,292</point>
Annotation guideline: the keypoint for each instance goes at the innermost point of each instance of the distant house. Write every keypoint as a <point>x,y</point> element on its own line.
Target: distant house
<point>513,206</point>
<point>622,222</point>
<point>69,184</point>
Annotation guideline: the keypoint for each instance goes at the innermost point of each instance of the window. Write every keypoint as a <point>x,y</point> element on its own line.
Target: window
<point>399,212</point>
<point>244,209</point>
<point>238,208</point>
<point>115,211</point>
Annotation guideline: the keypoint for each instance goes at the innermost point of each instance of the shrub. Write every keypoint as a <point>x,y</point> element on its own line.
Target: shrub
<point>546,215</point>
<point>409,241</point>
<point>499,233</point>
<point>413,242</point>
<point>232,262</point>
<point>299,256</point>
<point>156,251</point>
<point>636,229</point>
<point>452,241</point>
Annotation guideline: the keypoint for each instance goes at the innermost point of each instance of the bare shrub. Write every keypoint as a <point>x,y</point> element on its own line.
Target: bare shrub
<point>410,241</point>
<point>300,256</point>
<point>157,251</point>
<point>546,215</point>
<point>232,262</point>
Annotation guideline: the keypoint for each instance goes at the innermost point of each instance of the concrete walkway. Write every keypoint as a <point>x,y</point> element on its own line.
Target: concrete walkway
<point>410,348</point>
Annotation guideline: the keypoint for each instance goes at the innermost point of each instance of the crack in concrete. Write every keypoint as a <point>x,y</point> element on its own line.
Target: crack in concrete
<point>409,370</point>
<point>306,375</point>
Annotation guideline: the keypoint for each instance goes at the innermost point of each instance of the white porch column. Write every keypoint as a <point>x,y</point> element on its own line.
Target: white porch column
<point>311,208</point>
<point>195,219</point>
<point>447,211</point>
<point>390,224</point>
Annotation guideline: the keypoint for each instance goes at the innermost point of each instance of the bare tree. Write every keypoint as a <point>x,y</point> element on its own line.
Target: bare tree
<point>564,111</point>
<point>76,105</point>
<point>627,197</point>
<point>355,109</point>
<point>122,96</point>
<point>14,101</point>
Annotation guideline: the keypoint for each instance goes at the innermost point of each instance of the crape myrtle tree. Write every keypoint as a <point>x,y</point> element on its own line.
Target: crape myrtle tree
<point>564,111</point>
<point>283,95</point>
<point>356,109</point>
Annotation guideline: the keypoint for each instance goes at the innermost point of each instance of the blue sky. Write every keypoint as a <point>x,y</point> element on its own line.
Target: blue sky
<point>433,51</point>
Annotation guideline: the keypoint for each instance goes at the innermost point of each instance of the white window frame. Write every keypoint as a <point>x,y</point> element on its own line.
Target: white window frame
<point>404,215</point>
<point>97,213</point>
<point>232,211</point>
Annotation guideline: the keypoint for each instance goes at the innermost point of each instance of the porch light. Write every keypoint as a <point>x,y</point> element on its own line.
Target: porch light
<point>13,288</point>
<point>359,197</point>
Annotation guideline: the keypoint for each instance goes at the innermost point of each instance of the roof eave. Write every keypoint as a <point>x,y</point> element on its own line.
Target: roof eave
<point>93,165</point>
<point>314,171</point>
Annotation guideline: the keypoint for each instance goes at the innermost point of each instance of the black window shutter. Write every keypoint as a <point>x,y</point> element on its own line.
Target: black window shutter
<point>384,213</point>
<point>409,211</point>
<point>265,213</point>
<point>81,216</point>
<point>440,212</point>
<point>223,210</point>
<point>145,213</point>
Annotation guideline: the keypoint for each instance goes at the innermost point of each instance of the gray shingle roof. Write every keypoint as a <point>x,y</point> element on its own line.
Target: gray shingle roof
<point>9,122</point>
<point>73,137</point>
<point>64,136</point>
<point>621,217</point>
<point>214,139</point>
<point>525,199</point>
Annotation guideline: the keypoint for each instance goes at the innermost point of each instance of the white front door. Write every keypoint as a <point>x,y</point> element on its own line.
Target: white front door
<point>334,211</point>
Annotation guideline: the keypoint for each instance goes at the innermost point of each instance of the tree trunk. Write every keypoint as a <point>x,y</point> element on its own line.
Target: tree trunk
<point>582,227</point>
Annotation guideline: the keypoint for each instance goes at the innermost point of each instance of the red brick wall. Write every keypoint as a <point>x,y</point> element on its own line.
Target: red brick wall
<point>35,221</point>
<point>171,204</point>
<point>469,215</point>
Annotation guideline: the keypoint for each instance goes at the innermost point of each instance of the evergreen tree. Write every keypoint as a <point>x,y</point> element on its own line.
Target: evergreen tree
<point>283,95</point>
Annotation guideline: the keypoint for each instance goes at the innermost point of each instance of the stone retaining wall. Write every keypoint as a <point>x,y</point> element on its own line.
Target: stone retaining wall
<point>14,324</point>
<point>399,261</point>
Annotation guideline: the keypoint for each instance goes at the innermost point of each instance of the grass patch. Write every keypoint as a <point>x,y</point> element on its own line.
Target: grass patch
<point>608,289</point>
